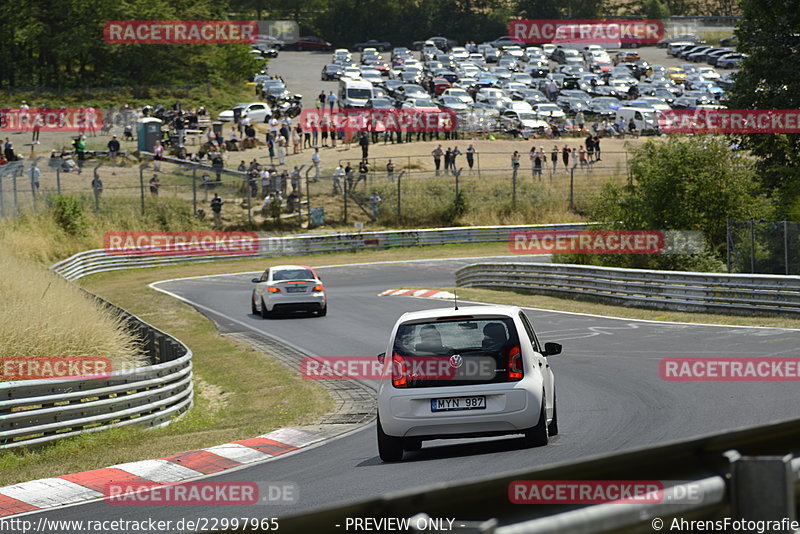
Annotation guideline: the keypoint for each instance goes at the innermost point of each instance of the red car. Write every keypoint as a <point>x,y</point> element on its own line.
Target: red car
<point>440,85</point>
<point>312,43</point>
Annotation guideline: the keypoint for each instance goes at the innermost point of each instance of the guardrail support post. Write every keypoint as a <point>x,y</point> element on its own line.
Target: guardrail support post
<point>763,488</point>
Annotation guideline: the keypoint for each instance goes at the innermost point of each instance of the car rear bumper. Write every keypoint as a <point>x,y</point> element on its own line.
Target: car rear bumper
<point>295,302</point>
<point>509,409</point>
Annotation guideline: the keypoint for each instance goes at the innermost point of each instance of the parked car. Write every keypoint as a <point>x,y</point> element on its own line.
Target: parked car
<point>380,46</point>
<point>331,71</point>
<point>255,111</point>
<point>312,42</point>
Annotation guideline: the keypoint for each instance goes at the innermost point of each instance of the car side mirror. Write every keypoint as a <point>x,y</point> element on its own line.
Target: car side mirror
<point>255,280</point>
<point>551,349</point>
<point>381,357</point>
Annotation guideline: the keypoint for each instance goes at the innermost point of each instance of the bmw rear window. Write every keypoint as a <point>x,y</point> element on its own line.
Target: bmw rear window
<point>293,274</point>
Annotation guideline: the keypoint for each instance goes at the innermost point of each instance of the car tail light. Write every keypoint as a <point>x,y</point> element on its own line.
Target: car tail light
<point>399,371</point>
<point>514,364</point>
<point>318,287</point>
<point>273,289</point>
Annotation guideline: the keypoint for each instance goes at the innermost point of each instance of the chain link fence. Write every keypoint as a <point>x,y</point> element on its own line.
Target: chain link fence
<point>764,247</point>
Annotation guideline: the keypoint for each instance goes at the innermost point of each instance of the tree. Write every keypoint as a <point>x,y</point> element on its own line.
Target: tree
<point>769,33</point>
<point>689,184</point>
<point>655,9</point>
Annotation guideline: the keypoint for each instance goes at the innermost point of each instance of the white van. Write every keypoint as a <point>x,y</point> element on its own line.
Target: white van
<point>354,93</point>
<point>646,120</point>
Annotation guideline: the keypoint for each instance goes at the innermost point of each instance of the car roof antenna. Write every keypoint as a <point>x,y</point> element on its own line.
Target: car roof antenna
<point>455,299</point>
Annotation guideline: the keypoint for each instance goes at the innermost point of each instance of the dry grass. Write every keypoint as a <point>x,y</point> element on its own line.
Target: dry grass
<point>44,315</point>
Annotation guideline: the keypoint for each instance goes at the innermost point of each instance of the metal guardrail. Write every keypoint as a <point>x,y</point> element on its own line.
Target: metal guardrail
<point>35,412</point>
<point>99,260</point>
<point>686,291</point>
<point>734,474</point>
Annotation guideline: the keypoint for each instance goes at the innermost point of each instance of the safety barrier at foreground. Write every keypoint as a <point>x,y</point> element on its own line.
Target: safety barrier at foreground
<point>34,412</point>
<point>728,476</point>
<point>675,290</point>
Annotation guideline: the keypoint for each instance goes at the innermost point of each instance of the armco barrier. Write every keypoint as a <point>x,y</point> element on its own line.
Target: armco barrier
<point>33,412</point>
<point>97,261</point>
<point>706,292</point>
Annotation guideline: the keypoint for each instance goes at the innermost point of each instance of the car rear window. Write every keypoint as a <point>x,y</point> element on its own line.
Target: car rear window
<point>482,343</point>
<point>293,274</point>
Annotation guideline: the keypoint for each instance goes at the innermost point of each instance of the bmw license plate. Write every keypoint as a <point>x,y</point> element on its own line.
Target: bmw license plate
<point>295,290</point>
<point>458,403</point>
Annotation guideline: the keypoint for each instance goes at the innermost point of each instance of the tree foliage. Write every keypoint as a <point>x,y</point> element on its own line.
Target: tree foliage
<point>60,45</point>
<point>769,79</point>
<point>690,184</point>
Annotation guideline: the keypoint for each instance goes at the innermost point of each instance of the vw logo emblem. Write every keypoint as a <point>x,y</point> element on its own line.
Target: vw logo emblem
<point>456,361</point>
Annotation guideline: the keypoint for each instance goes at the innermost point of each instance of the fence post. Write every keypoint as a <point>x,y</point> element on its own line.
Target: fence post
<point>308,201</point>
<point>572,189</point>
<point>96,194</point>
<point>457,174</point>
<point>514,188</point>
<point>346,191</point>
<point>763,488</point>
<point>752,247</point>
<point>58,178</point>
<point>141,183</point>
<point>249,200</point>
<point>14,190</point>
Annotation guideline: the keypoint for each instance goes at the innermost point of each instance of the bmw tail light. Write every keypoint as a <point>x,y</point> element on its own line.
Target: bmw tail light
<point>514,364</point>
<point>318,287</point>
<point>273,289</point>
<point>399,371</point>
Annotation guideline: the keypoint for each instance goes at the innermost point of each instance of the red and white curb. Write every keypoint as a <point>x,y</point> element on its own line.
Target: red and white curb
<point>88,485</point>
<point>424,293</point>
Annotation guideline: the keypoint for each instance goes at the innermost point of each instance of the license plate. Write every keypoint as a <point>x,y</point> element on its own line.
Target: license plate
<point>458,403</point>
<point>295,290</point>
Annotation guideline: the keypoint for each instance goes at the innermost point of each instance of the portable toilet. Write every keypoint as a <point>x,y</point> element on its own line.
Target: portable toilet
<point>148,131</point>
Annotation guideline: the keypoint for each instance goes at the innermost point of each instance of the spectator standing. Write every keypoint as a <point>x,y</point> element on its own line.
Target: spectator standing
<point>554,157</point>
<point>154,183</point>
<point>580,119</point>
<point>265,180</point>
<point>536,161</point>
<point>453,158</point>
<point>338,174</point>
<point>565,157</point>
<point>390,171</point>
<point>158,155</point>
<point>315,160</point>
<point>97,189</point>
<point>437,158</point>
<point>582,157</point>
<point>364,143</point>
<point>216,208</point>
<point>448,160</point>
<point>324,131</point>
<point>38,122</point>
<point>590,148</point>
<point>281,150</point>
<point>348,175</point>
<point>515,161</point>
<point>471,156</point>
<point>363,170</point>
<point>597,147</point>
<point>374,202</point>
<point>36,174</point>
<point>331,100</point>
<point>113,148</point>
<point>297,140</point>
<point>321,100</point>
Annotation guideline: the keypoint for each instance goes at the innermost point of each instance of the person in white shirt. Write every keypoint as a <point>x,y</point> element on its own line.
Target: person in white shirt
<point>281,144</point>
<point>315,159</point>
<point>338,174</point>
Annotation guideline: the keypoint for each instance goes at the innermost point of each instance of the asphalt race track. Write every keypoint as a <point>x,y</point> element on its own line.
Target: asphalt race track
<point>610,396</point>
